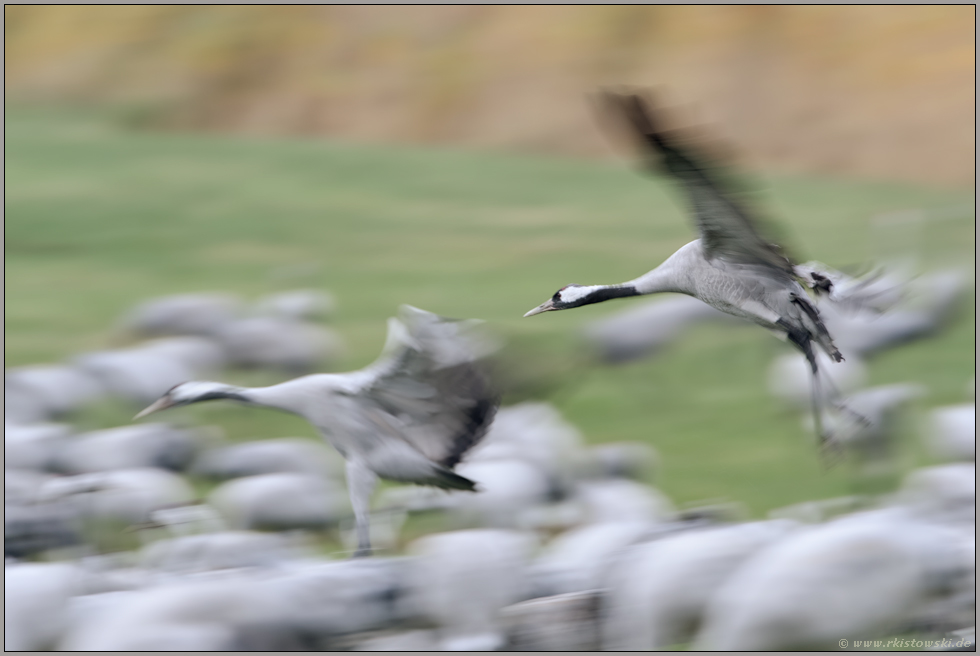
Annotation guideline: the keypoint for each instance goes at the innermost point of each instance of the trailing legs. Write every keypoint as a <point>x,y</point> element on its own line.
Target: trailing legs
<point>361,482</point>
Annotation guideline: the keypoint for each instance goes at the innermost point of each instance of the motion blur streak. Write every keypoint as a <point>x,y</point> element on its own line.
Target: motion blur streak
<point>247,193</point>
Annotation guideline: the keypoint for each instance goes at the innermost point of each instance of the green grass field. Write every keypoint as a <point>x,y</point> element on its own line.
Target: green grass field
<point>99,217</point>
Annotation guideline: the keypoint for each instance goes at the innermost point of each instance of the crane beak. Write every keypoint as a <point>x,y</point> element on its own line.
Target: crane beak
<point>160,404</point>
<point>547,306</point>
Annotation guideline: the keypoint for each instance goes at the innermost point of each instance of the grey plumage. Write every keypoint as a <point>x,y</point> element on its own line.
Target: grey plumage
<point>279,502</point>
<point>215,551</point>
<point>866,574</point>
<point>34,446</point>
<point>127,496</point>
<point>296,304</point>
<point>951,432</point>
<point>182,314</point>
<point>874,437</point>
<point>284,454</point>
<point>867,319</point>
<point>408,417</point>
<point>291,345</point>
<point>32,528</point>
<point>38,596</point>
<point>657,590</point>
<point>136,374</point>
<point>50,390</point>
<point>461,580</point>
<point>732,267</point>
<point>127,447</point>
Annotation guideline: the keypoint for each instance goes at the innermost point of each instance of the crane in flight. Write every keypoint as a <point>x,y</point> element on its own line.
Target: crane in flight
<point>731,267</point>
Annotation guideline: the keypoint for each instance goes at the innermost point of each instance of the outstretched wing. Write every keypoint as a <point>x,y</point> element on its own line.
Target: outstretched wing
<point>432,379</point>
<point>727,229</point>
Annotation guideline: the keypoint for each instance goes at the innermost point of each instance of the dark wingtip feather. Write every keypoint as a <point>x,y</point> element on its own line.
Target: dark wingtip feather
<point>478,420</point>
<point>629,104</point>
<point>448,480</point>
<point>635,108</point>
<point>690,154</point>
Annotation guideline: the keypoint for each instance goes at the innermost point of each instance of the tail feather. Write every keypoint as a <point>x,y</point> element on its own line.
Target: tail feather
<point>449,480</point>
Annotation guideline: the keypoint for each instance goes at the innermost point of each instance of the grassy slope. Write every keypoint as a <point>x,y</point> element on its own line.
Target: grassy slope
<point>98,219</point>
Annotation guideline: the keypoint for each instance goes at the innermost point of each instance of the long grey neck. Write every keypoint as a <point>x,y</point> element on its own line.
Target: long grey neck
<point>658,280</point>
<point>210,391</point>
<point>674,275</point>
<point>196,392</point>
<point>609,292</point>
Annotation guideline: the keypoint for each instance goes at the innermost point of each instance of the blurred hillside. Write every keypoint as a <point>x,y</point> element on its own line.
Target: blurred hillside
<point>869,91</point>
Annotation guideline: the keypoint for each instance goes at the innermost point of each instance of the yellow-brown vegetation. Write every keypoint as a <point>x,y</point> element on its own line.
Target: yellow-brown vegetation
<point>871,91</point>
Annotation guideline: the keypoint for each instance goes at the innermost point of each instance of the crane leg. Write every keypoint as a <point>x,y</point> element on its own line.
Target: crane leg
<point>830,449</point>
<point>836,399</point>
<point>360,484</point>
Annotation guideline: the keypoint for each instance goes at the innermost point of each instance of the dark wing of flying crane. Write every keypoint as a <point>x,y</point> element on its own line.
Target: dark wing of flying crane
<point>728,231</point>
<point>433,379</point>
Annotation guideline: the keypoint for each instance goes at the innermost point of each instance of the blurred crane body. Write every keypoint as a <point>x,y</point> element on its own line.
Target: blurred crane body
<point>408,417</point>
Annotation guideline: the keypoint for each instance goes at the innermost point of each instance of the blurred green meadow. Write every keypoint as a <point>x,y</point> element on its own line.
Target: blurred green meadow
<point>99,217</point>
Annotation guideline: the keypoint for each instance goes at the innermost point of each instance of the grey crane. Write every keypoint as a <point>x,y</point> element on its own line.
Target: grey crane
<point>408,417</point>
<point>731,267</point>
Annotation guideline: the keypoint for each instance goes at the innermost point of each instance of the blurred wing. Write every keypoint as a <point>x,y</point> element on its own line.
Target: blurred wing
<point>876,291</point>
<point>727,230</point>
<point>432,380</point>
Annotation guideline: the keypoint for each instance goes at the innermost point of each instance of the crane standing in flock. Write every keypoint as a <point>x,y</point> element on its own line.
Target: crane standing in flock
<point>731,267</point>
